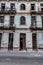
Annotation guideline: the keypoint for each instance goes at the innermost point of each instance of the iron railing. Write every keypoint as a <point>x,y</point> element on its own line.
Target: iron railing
<point>7,11</point>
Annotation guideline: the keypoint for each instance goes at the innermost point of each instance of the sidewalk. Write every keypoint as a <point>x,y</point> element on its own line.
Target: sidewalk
<point>27,54</point>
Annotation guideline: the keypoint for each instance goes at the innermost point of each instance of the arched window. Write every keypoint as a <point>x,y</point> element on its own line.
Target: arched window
<point>22,20</point>
<point>22,7</point>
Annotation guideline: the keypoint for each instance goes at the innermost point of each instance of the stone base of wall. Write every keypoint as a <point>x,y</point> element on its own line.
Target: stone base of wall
<point>17,49</point>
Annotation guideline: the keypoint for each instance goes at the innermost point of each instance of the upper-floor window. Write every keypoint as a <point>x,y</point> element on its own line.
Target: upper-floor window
<point>33,18</point>
<point>1,19</point>
<point>22,20</point>
<point>33,21</point>
<point>2,6</point>
<point>41,4</point>
<point>41,7</point>
<point>12,6</point>
<point>42,21</point>
<point>22,7</point>
<point>11,20</point>
<point>32,6</point>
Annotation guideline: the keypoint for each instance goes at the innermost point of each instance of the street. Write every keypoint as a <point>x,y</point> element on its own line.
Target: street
<point>21,61</point>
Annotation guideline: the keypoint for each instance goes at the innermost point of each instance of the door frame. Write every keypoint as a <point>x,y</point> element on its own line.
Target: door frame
<point>9,43</point>
<point>24,45</point>
<point>34,47</point>
<point>0,40</point>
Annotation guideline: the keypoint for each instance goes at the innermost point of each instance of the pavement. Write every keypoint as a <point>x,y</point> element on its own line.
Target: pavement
<point>16,57</point>
<point>22,54</point>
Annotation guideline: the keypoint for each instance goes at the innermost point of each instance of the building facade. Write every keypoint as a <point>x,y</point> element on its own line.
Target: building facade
<point>21,24</point>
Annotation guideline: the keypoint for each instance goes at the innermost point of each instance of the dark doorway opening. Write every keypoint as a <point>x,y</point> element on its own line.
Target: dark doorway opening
<point>34,41</point>
<point>0,39</point>
<point>22,41</point>
<point>10,44</point>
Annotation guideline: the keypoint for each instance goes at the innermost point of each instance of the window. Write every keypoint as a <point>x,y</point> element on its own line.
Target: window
<point>41,7</point>
<point>33,21</point>
<point>12,6</point>
<point>22,20</point>
<point>22,7</point>
<point>33,18</point>
<point>11,20</point>
<point>42,21</point>
<point>32,6</point>
<point>2,6</point>
<point>41,4</point>
<point>1,19</point>
<point>42,35</point>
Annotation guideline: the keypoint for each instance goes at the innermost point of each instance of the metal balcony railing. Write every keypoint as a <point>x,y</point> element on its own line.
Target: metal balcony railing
<point>33,12</point>
<point>22,0</point>
<point>36,12</point>
<point>40,12</point>
<point>7,11</point>
<point>7,27</point>
<point>32,0</point>
<point>35,28</point>
<point>40,0</point>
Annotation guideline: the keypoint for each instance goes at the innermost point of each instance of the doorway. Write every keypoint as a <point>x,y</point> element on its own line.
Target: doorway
<point>10,44</point>
<point>22,41</point>
<point>34,41</point>
<point>0,39</point>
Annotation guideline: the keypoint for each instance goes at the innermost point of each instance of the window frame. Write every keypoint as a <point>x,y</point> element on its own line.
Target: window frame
<point>3,4</point>
<point>22,23</point>
<point>33,22</point>
<point>33,5</point>
<point>22,7</point>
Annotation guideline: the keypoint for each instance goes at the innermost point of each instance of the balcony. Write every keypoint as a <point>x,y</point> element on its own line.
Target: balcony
<point>22,0</point>
<point>36,12</point>
<point>33,12</point>
<point>35,28</point>
<point>40,0</point>
<point>7,11</point>
<point>10,27</point>
<point>40,12</point>
<point>32,0</point>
